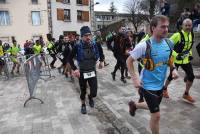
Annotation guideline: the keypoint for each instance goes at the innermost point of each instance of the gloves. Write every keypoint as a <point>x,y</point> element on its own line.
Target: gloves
<point>190,58</point>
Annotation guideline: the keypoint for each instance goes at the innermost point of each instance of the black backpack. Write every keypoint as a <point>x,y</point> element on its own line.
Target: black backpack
<point>180,46</point>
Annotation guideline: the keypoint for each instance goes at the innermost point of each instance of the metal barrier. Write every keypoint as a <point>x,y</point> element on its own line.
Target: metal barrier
<point>32,68</point>
<point>8,65</point>
<point>45,68</point>
<point>36,67</point>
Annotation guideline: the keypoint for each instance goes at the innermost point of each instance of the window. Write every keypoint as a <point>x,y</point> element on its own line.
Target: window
<point>4,18</point>
<point>35,15</point>
<point>63,1</point>
<point>34,1</point>
<point>99,26</point>
<point>83,2</point>
<point>63,14</point>
<point>67,14</point>
<point>82,15</point>
<point>108,17</point>
<point>2,1</point>
<point>79,15</point>
<point>66,1</point>
<point>79,2</point>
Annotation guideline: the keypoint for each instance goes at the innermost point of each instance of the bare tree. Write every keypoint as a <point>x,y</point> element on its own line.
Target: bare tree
<point>150,7</point>
<point>133,7</point>
<point>112,9</point>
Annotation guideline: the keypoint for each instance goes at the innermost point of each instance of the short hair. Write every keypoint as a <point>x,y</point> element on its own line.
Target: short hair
<point>14,41</point>
<point>156,19</point>
<point>37,41</point>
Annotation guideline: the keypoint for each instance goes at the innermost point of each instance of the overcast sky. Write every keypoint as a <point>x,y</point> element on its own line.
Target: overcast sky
<point>105,5</point>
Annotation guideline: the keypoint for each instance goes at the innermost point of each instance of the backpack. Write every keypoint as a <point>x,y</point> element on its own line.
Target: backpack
<point>180,46</point>
<point>148,61</point>
<point>80,53</point>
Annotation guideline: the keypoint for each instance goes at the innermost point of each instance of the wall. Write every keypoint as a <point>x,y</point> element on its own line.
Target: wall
<point>21,23</point>
<point>73,25</point>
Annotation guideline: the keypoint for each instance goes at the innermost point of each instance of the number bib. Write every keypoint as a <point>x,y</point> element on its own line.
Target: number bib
<point>89,75</point>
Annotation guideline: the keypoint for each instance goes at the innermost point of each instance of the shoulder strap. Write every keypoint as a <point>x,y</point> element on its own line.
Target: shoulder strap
<point>192,33</point>
<point>148,49</point>
<point>171,48</point>
<point>179,46</point>
<point>182,38</point>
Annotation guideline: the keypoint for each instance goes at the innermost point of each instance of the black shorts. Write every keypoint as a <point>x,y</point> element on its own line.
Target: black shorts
<point>153,99</point>
<point>188,71</point>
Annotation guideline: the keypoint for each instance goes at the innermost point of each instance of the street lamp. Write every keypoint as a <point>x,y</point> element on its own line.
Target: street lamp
<point>92,17</point>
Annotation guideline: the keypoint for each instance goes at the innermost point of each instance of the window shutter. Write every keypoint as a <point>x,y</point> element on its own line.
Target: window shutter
<point>60,14</point>
<point>85,16</point>
<point>85,2</point>
<point>59,0</point>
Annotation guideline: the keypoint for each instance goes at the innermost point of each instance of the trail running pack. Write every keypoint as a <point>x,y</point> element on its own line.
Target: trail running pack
<point>180,45</point>
<point>148,61</point>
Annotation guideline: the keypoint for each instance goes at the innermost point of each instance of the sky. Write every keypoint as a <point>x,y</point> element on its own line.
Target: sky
<point>105,5</point>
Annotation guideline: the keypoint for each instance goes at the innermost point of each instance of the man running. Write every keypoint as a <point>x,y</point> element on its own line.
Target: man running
<point>87,55</point>
<point>182,54</point>
<point>156,51</point>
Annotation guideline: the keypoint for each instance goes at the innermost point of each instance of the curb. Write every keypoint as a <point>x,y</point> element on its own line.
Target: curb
<point>112,117</point>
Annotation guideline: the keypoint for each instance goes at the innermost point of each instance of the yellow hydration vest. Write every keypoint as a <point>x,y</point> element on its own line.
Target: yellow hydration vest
<point>187,46</point>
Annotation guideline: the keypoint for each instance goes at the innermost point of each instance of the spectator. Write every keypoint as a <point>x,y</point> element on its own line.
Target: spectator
<point>164,8</point>
<point>195,15</point>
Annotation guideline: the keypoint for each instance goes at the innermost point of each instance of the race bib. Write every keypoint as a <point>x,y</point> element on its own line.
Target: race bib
<point>88,75</point>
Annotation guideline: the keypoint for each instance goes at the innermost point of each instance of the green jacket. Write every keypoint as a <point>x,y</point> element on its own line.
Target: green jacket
<point>37,49</point>
<point>14,50</point>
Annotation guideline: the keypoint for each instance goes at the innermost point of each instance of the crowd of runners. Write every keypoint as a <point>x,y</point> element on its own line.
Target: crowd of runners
<point>153,52</point>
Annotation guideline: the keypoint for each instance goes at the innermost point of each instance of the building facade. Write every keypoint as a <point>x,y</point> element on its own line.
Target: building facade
<point>68,16</point>
<point>23,20</point>
<point>104,19</point>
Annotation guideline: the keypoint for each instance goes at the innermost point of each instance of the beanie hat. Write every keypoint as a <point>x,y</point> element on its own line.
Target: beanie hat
<point>85,30</point>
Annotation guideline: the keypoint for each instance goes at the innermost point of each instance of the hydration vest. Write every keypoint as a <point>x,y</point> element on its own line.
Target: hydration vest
<point>87,55</point>
<point>180,46</point>
<point>148,60</point>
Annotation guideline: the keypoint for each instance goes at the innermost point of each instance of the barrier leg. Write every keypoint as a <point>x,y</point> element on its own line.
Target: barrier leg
<point>30,98</point>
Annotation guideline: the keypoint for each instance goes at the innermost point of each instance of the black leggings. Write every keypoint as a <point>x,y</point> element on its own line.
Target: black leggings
<point>188,71</point>
<point>83,85</point>
<point>54,59</point>
<point>121,63</point>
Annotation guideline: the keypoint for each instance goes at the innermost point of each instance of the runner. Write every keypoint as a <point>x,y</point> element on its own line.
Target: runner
<point>87,54</point>
<point>182,54</point>
<point>155,51</point>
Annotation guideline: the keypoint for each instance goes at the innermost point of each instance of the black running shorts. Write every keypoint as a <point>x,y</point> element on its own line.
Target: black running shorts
<point>153,99</point>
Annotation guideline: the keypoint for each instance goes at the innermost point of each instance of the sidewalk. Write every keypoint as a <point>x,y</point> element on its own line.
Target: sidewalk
<point>177,117</point>
<point>60,113</point>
